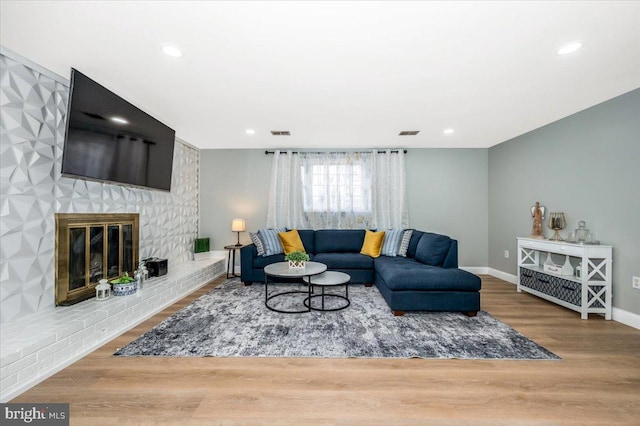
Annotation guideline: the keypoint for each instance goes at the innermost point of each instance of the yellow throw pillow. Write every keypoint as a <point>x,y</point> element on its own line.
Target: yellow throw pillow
<point>372,245</point>
<point>291,241</point>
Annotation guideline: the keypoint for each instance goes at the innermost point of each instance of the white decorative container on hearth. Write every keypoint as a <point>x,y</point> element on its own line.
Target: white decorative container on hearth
<point>103,290</point>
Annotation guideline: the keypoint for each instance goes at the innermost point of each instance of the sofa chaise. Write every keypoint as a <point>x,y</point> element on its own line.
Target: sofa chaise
<point>427,279</point>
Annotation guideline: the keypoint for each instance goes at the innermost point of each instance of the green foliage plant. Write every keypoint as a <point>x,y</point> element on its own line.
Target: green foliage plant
<point>297,256</point>
<point>125,279</point>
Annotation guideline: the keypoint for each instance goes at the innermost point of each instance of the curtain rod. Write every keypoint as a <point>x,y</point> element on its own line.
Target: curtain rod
<point>396,151</point>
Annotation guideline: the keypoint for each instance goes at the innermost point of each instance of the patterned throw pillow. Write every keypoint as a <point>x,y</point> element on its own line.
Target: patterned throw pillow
<point>404,243</point>
<point>258,242</point>
<point>392,238</point>
<point>271,241</point>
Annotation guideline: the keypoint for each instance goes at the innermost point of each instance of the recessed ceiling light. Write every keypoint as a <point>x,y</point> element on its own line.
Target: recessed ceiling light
<point>448,131</point>
<point>118,120</point>
<point>250,132</point>
<point>172,51</point>
<point>567,48</point>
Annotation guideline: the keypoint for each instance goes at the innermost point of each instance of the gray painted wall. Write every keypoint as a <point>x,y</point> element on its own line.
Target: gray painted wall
<point>447,191</point>
<point>234,183</point>
<point>448,194</point>
<point>586,165</point>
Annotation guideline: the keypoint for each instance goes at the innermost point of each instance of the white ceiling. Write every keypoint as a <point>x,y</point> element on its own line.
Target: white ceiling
<point>339,74</point>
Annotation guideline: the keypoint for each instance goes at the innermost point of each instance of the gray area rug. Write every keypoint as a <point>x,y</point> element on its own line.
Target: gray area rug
<point>232,321</point>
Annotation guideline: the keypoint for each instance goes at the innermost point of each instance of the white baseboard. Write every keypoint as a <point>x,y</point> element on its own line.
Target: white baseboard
<point>478,270</point>
<point>626,317</point>
<point>510,278</point>
<point>617,314</point>
<point>483,270</point>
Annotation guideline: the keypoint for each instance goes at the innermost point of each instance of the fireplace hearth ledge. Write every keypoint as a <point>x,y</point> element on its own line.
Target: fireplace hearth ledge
<point>38,346</point>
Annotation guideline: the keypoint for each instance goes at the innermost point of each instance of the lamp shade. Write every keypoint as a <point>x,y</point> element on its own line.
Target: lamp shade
<point>237,225</point>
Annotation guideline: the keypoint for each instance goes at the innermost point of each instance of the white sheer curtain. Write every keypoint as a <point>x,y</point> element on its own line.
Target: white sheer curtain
<point>390,208</point>
<point>337,190</point>
<point>285,192</point>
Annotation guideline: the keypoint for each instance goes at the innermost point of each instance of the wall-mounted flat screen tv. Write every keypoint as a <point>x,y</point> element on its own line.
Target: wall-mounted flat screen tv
<point>109,139</point>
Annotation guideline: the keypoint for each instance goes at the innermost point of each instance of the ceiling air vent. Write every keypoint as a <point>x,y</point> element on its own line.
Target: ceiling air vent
<point>281,133</point>
<point>408,132</point>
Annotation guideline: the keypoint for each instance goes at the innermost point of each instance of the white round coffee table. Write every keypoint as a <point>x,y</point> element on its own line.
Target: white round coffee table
<point>282,270</point>
<point>324,280</point>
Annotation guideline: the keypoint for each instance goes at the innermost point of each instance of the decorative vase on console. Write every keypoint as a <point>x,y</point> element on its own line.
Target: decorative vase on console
<point>557,222</point>
<point>582,235</point>
<point>537,213</point>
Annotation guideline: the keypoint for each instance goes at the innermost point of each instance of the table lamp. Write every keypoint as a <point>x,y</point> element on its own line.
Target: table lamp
<point>238,226</point>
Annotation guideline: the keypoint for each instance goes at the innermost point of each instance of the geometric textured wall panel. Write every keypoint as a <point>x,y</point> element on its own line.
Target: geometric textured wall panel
<point>32,190</point>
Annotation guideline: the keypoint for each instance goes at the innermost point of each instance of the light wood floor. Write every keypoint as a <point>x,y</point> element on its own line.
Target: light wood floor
<point>597,382</point>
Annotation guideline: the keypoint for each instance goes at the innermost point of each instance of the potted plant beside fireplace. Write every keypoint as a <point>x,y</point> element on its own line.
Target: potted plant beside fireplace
<point>124,286</point>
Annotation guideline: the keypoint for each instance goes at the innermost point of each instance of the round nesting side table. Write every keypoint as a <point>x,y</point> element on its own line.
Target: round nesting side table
<point>282,270</point>
<point>328,279</point>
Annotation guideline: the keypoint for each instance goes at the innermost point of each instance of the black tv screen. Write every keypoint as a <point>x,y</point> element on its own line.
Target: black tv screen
<point>109,139</point>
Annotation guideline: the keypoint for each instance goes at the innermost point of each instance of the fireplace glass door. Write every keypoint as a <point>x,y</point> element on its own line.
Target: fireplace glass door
<point>90,248</point>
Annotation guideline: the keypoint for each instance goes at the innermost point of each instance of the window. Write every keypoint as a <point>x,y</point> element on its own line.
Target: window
<point>334,190</point>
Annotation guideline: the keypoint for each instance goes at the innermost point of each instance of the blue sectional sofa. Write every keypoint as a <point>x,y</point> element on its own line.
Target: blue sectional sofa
<point>428,279</point>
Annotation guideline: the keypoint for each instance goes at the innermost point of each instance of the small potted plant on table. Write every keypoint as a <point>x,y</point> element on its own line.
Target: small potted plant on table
<point>124,286</point>
<point>297,259</point>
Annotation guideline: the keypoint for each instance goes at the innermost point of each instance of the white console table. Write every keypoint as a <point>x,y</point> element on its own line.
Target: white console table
<point>590,293</point>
